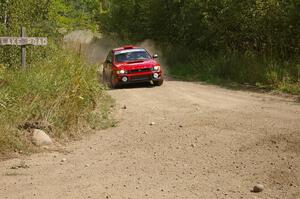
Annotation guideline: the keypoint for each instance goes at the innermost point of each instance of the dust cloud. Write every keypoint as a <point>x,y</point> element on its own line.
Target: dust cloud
<point>154,49</point>
<point>94,47</point>
<point>91,46</point>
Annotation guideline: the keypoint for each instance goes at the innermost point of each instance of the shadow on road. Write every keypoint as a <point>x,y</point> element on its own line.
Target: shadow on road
<point>136,85</point>
<point>240,87</point>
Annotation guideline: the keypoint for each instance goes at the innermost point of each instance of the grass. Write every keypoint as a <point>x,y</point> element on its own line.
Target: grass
<point>236,71</point>
<point>61,91</point>
<point>290,88</point>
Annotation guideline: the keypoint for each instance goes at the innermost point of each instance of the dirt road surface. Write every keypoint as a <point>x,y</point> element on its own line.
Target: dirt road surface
<point>207,142</point>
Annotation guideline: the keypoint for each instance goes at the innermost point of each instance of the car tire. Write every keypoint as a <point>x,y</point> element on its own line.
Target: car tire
<point>105,81</point>
<point>112,83</point>
<point>159,82</point>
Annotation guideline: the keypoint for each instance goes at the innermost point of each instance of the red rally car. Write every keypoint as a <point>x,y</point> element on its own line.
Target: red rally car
<point>131,64</point>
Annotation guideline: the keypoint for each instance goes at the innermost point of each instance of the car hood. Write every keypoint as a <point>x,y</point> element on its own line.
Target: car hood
<point>137,65</point>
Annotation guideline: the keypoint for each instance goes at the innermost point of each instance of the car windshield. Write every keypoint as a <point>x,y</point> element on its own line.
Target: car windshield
<point>132,55</point>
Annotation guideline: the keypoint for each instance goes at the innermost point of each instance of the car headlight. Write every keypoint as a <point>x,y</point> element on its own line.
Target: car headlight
<point>121,72</point>
<point>156,68</point>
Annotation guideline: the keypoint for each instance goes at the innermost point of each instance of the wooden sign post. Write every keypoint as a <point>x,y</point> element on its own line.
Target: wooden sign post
<point>23,41</point>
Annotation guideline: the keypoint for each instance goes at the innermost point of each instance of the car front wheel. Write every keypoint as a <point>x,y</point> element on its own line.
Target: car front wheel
<point>159,82</point>
<point>113,82</point>
<point>105,81</point>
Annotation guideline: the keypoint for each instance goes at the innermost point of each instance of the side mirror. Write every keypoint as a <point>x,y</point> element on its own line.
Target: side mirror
<point>155,56</point>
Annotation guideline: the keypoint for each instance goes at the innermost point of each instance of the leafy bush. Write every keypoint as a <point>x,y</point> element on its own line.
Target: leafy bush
<point>237,40</point>
<point>234,67</point>
<point>62,91</point>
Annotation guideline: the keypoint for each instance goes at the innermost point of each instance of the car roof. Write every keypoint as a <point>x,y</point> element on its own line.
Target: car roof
<point>128,47</point>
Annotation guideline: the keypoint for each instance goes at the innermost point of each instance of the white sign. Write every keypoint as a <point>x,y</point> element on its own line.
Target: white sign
<point>22,41</point>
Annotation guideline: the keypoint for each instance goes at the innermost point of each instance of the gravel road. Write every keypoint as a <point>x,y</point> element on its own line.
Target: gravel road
<point>204,142</point>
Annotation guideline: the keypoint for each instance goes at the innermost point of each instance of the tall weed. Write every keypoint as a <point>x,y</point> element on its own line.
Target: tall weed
<point>62,91</point>
<point>244,68</point>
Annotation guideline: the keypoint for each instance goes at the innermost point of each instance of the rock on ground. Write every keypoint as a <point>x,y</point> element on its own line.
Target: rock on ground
<point>258,188</point>
<point>40,138</point>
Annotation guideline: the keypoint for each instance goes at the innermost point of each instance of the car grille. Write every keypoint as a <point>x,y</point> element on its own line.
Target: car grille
<point>140,77</point>
<point>139,70</point>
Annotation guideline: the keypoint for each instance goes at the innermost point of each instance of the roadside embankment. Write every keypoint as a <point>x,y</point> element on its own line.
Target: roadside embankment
<point>59,95</point>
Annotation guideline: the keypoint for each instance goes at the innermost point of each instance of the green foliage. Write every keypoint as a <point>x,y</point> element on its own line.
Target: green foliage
<point>13,15</point>
<point>42,18</point>
<point>260,26</point>
<point>63,91</point>
<point>74,14</point>
<point>56,87</point>
<point>244,40</point>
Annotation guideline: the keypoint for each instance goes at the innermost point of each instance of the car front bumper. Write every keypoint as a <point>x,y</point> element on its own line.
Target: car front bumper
<point>138,77</point>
